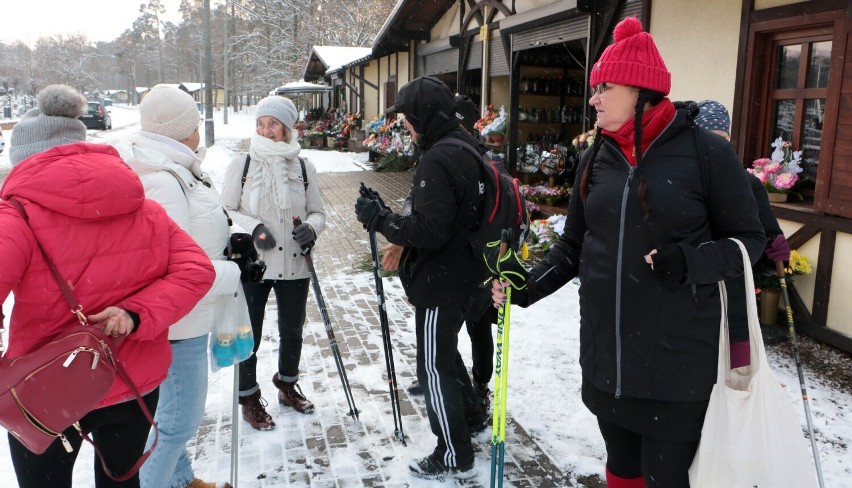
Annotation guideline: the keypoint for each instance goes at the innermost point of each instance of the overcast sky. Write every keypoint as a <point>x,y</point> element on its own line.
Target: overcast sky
<point>99,20</point>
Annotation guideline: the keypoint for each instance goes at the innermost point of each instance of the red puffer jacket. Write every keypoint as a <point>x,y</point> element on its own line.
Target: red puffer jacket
<point>114,247</point>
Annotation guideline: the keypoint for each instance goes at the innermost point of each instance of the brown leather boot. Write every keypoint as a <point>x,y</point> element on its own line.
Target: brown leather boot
<point>255,413</point>
<point>291,394</point>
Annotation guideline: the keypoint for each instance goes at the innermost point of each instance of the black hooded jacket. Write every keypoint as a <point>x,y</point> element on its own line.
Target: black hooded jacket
<point>639,336</point>
<point>438,267</point>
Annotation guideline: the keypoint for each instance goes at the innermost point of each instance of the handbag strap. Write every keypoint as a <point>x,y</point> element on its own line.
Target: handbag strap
<point>755,338</point>
<point>77,310</point>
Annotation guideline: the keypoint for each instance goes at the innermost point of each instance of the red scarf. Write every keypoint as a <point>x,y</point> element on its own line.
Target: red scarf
<point>654,121</point>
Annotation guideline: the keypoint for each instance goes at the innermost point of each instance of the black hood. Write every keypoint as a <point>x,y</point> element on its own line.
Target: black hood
<point>429,106</point>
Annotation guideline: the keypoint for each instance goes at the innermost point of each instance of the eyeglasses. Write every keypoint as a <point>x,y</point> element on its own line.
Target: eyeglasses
<point>601,89</point>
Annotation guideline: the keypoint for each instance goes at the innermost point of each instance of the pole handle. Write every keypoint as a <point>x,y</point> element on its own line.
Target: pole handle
<point>305,249</point>
<point>779,269</point>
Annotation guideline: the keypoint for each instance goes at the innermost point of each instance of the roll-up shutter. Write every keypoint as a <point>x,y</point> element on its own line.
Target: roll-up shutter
<point>474,59</point>
<point>498,64</point>
<point>567,30</point>
<point>442,62</point>
<point>631,8</point>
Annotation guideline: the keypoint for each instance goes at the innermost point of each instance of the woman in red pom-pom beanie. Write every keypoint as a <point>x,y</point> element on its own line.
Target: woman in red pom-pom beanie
<point>646,234</point>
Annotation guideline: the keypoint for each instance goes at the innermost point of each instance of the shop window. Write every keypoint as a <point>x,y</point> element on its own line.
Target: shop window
<point>799,71</point>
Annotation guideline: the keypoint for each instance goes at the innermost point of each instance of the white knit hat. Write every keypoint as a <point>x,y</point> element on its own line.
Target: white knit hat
<point>170,112</point>
<point>53,123</point>
<point>281,108</point>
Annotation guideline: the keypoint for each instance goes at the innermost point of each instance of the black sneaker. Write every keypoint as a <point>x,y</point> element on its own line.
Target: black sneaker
<point>432,467</point>
<point>415,388</point>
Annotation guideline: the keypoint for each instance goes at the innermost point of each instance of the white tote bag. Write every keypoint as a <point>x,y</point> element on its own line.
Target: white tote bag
<point>751,435</point>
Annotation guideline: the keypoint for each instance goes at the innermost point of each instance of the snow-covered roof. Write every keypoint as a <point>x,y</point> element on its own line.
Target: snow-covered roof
<point>113,92</point>
<point>325,58</point>
<point>335,56</point>
<point>192,87</point>
<point>299,87</point>
<point>142,89</point>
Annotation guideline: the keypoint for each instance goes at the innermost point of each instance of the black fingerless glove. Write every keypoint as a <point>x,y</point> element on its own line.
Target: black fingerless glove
<point>670,265</point>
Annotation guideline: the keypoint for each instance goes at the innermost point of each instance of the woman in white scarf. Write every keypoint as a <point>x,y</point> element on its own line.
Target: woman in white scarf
<point>263,192</point>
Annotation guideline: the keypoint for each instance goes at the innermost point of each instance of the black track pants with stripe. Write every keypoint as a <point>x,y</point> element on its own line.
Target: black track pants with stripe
<point>446,384</point>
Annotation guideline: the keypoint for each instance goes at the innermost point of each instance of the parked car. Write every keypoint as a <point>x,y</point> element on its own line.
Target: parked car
<point>97,116</point>
<point>2,142</point>
<point>107,102</point>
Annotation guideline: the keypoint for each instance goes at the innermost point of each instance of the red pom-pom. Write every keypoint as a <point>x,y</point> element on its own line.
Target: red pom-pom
<point>626,28</point>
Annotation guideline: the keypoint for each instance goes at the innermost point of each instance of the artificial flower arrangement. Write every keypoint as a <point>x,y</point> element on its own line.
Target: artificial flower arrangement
<point>497,126</point>
<point>799,264</point>
<point>389,136</point>
<point>490,115</point>
<point>545,232</point>
<point>584,140</point>
<point>779,172</point>
<point>545,194</point>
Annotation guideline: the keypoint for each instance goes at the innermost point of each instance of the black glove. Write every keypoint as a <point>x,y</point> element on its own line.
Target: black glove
<point>243,252</point>
<point>507,268</point>
<point>670,265</point>
<point>371,211</point>
<point>263,238</point>
<point>304,235</point>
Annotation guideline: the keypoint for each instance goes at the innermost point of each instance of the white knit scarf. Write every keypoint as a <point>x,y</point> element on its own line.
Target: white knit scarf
<point>269,184</point>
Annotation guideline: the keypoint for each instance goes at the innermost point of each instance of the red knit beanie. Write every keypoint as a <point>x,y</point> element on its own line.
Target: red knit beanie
<point>633,60</point>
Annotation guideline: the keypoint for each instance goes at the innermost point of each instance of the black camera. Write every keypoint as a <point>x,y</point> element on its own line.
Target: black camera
<point>242,252</point>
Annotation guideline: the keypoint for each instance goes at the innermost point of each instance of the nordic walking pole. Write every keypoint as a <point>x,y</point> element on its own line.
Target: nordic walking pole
<point>791,331</point>
<point>235,428</point>
<point>383,320</point>
<point>335,350</point>
<point>501,377</point>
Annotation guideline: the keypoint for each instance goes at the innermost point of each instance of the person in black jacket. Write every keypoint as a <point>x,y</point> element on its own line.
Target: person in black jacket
<point>479,316</point>
<point>648,241</point>
<point>438,268</point>
<point>714,117</point>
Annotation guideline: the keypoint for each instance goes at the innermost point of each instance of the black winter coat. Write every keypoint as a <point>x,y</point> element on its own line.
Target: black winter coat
<point>438,267</point>
<point>640,337</point>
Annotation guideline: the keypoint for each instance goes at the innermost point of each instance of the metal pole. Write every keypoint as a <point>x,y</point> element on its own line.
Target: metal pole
<point>208,78</point>
<point>225,66</point>
<point>791,330</point>
<point>235,428</point>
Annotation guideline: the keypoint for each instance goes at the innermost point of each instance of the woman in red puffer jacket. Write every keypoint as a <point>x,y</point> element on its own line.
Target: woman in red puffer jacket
<point>131,267</point>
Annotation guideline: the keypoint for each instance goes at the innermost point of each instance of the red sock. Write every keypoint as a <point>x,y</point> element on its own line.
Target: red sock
<point>613,481</point>
<point>740,354</point>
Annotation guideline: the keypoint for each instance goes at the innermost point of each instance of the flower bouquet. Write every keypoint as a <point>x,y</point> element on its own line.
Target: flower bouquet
<point>779,172</point>
<point>799,264</point>
<point>584,140</point>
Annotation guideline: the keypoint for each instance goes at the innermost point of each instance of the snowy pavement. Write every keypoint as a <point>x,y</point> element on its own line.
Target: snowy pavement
<point>552,441</point>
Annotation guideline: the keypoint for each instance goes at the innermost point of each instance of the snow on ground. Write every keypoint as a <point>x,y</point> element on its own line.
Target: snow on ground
<point>544,396</point>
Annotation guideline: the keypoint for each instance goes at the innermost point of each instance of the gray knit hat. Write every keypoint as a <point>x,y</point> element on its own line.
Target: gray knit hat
<point>282,108</point>
<point>169,111</point>
<point>53,123</point>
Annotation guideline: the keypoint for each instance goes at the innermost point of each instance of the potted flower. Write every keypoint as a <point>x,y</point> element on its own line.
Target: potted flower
<point>769,286</point>
<point>779,172</point>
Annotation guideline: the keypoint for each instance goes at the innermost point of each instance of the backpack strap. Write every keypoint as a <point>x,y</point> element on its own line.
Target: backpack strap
<point>246,168</point>
<point>702,160</point>
<point>304,172</point>
<point>245,171</point>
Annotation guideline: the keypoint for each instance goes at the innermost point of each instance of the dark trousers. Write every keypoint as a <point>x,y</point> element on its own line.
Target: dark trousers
<point>119,431</point>
<point>446,385</point>
<point>631,455</point>
<point>291,296</point>
<point>481,347</point>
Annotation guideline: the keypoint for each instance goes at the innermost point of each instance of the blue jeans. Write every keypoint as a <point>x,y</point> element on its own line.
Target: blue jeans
<point>179,414</point>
